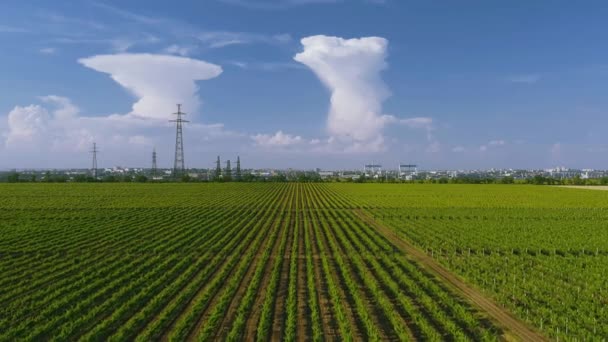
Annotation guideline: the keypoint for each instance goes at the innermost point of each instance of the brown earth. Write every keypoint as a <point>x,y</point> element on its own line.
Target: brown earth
<point>586,187</point>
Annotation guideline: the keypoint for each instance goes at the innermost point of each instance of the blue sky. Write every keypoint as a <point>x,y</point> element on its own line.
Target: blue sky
<point>473,84</point>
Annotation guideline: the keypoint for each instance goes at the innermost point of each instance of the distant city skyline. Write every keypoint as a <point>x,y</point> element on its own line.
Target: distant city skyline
<point>305,84</point>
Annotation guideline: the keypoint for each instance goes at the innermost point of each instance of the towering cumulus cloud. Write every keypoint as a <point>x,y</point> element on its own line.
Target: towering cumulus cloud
<point>158,81</point>
<point>350,68</point>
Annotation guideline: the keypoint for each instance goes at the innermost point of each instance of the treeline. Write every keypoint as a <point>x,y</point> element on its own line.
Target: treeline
<point>48,177</point>
<point>299,177</point>
<point>15,177</point>
<point>536,180</point>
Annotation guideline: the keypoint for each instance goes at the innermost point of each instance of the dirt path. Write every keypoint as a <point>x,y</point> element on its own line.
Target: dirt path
<point>514,329</point>
<point>586,187</point>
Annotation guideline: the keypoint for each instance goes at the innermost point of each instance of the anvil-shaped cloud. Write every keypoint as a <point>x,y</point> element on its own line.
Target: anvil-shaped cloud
<point>158,81</point>
<point>350,68</point>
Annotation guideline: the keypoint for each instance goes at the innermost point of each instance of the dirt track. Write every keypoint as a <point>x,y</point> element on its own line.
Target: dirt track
<point>586,187</point>
<point>514,329</point>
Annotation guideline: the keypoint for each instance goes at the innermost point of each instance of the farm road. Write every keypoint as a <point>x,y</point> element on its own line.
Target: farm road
<point>586,187</point>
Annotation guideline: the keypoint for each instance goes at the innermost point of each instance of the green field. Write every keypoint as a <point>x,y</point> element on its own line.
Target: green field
<point>271,261</point>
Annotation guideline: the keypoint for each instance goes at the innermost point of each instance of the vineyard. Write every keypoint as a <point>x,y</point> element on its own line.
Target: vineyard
<point>541,252</point>
<point>281,261</point>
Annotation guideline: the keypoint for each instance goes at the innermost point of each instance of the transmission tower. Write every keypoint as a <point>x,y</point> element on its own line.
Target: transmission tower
<point>238,168</point>
<point>218,168</point>
<point>94,151</point>
<point>228,174</point>
<point>178,165</point>
<point>153,171</point>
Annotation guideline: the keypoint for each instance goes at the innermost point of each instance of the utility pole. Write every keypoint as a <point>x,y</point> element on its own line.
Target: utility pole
<point>94,151</point>
<point>218,168</point>
<point>154,169</point>
<point>178,165</point>
<point>238,168</point>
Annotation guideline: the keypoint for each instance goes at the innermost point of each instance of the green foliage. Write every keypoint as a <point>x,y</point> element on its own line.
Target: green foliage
<point>13,177</point>
<point>542,252</point>
<point>140,178</point>
<point>208,261</point>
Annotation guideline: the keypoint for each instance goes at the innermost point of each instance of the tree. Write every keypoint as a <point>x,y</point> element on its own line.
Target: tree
<point>577,180</point>
<point>110,179</point>
<point>248,177</point>
<point>507,180</point>
<point>80,178</point>
<point>60,179</point>
<point>141,178</point>
<point>13,177</point>
<point>538,180</point>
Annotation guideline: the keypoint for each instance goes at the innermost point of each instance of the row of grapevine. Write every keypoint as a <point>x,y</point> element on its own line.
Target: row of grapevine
<point>540,252</point>
<point>244,261</point>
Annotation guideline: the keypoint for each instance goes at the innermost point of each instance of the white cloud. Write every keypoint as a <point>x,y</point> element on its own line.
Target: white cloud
<point>143,19</point>
<point>556,150</point>
<point>178,50</point>
<point>48,51</point>
<point>492,144</point>
<point>140,140</point>
<point>41,136</point>
<point>12,29</point>
<point>219,39</point>
<point>242,65</point>
<point>458,149</point>
<point>119,44</point>
<point>158,81</point>
<point>65,109</point>
<point>350,69</point>
<point>276,4</point>
<point>266,66</point>
<point>34,133</point>
<point>524,78</point>
<point>61,19</point>
<point>433,147</point>
<point>497,143</point>
<point>417,122</point>
<point>425,123</point>
<point>279,139</point>
<point>26,124</point>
